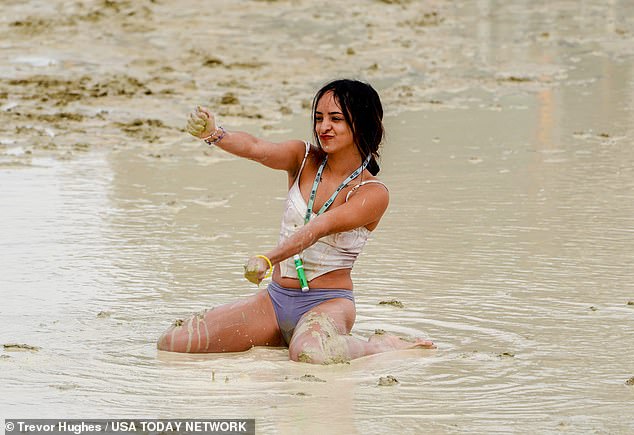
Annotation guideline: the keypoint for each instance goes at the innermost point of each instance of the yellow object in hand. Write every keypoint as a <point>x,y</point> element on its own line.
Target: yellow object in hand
<point>253,271</point>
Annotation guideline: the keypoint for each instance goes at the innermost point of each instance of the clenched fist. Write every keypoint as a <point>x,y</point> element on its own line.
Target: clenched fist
<point>201,123</point>
<point>256,269</point>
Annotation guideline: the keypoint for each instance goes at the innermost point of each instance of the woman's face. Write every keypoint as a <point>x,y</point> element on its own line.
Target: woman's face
<point>330,125</point>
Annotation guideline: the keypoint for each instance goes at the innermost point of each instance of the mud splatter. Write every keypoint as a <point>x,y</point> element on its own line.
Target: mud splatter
<point>506,355</point>
<point>324,343</point>
<point>304,357</point>
<point>388,381</point>
<point>64,387</point>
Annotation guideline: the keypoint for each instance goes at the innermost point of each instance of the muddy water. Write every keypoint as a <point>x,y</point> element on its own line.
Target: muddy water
<point>509,239</point>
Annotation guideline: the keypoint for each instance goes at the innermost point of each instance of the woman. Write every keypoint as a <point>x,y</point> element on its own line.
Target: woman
<point>333,204</point>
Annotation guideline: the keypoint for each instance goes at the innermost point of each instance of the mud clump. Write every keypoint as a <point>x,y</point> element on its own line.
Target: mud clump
<point>212,62</point>
<point>145,129</point>
<point>81,146</point>
<point>246,65</point>
<point>310,378</point>
<point>62,116</point>
<point>393,302</point>
<point>428,19</point>
<point>31,25</point>
<point>388,381</point>
<point>336,360</point>
<point>304,357</point>
<point>62,91</point>
<point>20,347</point>
<point>119,85</point>
<point>515,79</point>
<point>285,110</point>
<point>229,98</point>
<point>395,2</point>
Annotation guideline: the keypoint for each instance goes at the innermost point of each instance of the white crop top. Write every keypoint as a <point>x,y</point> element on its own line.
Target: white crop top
<point>332,252</point>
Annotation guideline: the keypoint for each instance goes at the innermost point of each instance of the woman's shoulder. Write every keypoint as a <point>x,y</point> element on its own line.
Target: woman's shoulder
<point>314,155</point>
<point>372,180</point>
<point>370,185</point>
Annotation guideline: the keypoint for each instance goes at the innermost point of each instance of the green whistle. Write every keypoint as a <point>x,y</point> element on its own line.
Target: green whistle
<point>299,266</point>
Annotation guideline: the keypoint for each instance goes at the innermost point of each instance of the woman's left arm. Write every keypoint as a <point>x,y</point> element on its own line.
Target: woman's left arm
<point>363,208</point>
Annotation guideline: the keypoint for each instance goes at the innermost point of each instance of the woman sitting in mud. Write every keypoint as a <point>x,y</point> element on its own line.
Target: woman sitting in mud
<point>334,202</point>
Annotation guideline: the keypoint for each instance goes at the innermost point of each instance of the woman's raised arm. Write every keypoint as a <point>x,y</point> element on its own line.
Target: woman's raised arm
<point>285,156</point>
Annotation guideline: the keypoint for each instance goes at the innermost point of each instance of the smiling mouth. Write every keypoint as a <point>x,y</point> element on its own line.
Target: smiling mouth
<point>325,137</point>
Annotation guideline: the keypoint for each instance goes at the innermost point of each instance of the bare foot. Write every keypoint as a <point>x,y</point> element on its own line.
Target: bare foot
<point>387,342</point>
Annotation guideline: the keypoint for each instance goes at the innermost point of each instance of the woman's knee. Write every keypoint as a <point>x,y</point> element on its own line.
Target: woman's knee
<point>305,348</point>
<point>317,340</point>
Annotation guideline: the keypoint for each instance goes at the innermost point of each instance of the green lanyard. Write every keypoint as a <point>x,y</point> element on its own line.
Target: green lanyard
<point>313,192</point>
<point>299,264</point>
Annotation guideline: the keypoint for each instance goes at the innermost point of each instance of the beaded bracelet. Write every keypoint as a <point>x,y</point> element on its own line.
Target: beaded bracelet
<point>209,141</point>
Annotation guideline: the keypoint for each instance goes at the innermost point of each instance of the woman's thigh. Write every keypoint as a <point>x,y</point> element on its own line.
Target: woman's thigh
<point>233,327</point>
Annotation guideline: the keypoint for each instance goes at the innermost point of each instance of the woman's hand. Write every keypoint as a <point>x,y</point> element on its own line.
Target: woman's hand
<point>201,123</point>
<point>256,269</point>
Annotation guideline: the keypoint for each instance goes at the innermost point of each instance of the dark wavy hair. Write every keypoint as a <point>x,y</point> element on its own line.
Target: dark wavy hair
<point>362,110</point>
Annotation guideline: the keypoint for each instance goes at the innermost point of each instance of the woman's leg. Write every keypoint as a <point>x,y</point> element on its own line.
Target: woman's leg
<point>322,336</point>
<point>232,327</point>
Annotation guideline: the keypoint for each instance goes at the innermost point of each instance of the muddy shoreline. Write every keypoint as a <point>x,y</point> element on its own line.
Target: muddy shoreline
<point>119,73</point>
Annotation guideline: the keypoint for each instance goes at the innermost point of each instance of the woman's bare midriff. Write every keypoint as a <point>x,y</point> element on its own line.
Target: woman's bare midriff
<point>337,279</point>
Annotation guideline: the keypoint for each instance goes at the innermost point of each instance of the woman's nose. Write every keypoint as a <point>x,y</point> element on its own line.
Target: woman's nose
<point>324,126</point>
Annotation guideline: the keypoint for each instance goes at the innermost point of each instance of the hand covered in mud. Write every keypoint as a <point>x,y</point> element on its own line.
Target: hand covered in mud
<point>201,123</point>
<point>255,270</point>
